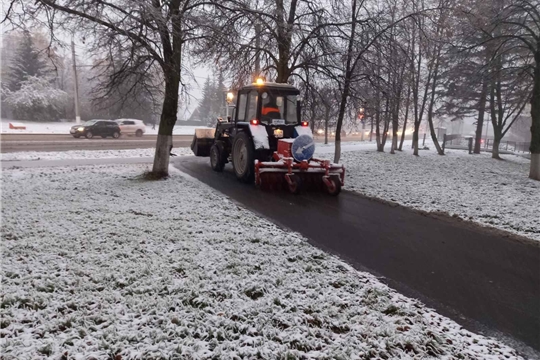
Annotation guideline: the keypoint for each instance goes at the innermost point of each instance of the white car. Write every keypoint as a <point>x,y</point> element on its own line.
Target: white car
<point>131,127</point>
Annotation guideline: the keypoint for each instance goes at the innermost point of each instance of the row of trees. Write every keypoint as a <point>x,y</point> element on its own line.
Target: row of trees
<point>213,100</point>
<point>404,62</point>
<point>29,91</point>
<point>39,84</point>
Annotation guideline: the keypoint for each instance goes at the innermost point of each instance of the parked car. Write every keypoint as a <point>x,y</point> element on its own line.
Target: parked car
<point>131,127</point>
<point>93,128</point>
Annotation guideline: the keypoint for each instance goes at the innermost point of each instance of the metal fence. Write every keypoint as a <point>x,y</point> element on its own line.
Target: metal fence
<point>462,142</point>
<point>513,146</point>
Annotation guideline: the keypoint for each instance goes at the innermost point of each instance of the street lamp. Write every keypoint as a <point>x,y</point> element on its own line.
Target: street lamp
<point>361,113</point>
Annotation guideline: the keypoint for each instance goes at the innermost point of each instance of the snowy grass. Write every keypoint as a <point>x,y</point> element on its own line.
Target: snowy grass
<point>98,263</point>
<point>473,187</point>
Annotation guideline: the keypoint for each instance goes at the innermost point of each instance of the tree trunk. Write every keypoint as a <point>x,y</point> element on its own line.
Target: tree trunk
<point>535,127</point>
<point>405,121</point>
<point>496,144</point>
<point>166,125</point>
<point>386,125</point>
<point>481,113</point>
<point>395,126</point>
<point>535,166</point>
<point>440,151</point>
<point>284,33</point>
<point>326,120</point>
<point>341,116</point>
<point>371,130</point>
<point>346,83</point>
<point>415,139</point>
<point>378,127</point>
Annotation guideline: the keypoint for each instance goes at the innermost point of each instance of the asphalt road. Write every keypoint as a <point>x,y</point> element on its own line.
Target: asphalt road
<point>486,281</point>
<point>60,142</point>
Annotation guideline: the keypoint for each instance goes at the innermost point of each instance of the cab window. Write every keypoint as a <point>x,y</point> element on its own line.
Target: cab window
<point>242,107</point>
<point>282,107</point>
<point>252,105</point>
<point>290,108</point>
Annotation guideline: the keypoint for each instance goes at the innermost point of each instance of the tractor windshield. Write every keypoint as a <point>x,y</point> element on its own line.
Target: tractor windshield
<point>276,107</point>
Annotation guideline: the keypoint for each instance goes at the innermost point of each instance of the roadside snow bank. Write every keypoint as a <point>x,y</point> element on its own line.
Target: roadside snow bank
<point>473,187</point>
<point>64,127</point>
<point>98,263</point>
<point>88,154</point>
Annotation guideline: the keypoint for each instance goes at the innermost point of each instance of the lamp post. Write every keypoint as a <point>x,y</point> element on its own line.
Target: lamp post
<point>361,117</point>
<point>76,78</point>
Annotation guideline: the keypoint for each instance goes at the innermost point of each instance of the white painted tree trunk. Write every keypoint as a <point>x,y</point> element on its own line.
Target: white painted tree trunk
<point>535,167</point>
<point>337,153</point>
<point>163,150</point>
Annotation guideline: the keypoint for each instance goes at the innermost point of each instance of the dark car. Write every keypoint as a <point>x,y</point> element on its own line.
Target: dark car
<point>93,128</point>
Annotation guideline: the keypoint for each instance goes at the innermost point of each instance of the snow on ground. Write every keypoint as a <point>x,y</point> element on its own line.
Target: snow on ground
<point>88,154</point>
<point>473,187</point>
<point>64,127</point>
<point>98,263</point>
<point>327,150</point>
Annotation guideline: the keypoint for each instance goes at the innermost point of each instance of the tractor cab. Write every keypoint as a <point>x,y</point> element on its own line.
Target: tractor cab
<point>269,109</point>
<point>268,104</point>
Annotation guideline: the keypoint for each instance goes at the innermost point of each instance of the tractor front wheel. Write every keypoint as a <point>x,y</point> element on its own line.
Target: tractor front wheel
<point>243,157</point>
<point>218,157</point>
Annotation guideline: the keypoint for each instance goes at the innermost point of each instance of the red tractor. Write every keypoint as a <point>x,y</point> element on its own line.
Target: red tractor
<point>268,143</point>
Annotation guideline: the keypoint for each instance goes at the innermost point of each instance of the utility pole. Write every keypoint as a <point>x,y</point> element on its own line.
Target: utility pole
<point>77,115</point>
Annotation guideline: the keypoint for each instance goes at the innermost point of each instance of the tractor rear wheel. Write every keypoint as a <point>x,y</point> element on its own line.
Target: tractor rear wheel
<point>218,156</point>
<point>243,157</point>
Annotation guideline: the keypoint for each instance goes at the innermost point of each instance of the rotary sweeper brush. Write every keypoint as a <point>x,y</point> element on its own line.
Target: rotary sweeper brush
<point>267,143</point>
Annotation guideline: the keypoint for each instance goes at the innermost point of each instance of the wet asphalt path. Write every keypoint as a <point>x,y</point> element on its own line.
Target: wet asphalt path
<point>484,280</point>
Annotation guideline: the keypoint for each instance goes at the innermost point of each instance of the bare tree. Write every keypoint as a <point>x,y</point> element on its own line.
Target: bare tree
<point>154,32</point>
<point>519,22</point>
<point>512,36</point>
<point>274,38</point>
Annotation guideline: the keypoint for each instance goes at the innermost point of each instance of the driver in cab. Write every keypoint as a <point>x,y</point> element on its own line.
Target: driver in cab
<point>270,109</point>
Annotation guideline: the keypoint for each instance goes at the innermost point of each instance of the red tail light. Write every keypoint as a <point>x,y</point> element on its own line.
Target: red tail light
<point>305,123</point>
<point>254,122</point>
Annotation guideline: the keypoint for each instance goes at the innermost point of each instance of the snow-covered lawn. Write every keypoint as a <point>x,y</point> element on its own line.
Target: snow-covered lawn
<point>473,187</point>
<point>63,128</point>
<point>98,263</point>
<point>88,154</point>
